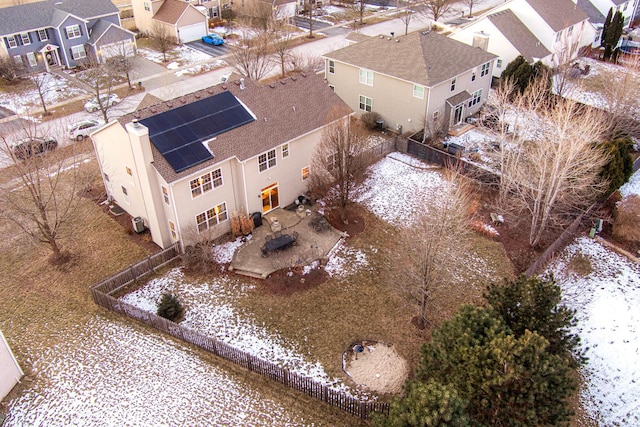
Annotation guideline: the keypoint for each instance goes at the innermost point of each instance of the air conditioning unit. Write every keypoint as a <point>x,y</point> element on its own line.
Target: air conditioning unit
<point>138,224</point>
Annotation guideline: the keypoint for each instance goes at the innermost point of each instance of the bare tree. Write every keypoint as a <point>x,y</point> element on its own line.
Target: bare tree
<point>550,164</point>
<point>405,17</point>
<point>360,6</point>
<point>42,199</point>
<point>252,56</point>
<point>563,61</point>
<point>122,59</point>
<point>100,78</point>
<point>470,4</point>
<point>162,39</point>
<point>438,237</point>
<point>282,43</point>
<point>435,9</point>
<point>10,70</point>
<point>301,61</point>
<point>40,82</point>
<point>310,6</point>
<point>340,159</point>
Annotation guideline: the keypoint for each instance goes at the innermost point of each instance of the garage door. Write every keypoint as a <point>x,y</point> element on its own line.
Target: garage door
<point>190,33</point>
<point>124,47</point>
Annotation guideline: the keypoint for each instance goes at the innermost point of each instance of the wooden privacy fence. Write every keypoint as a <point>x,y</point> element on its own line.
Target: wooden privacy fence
<point>102,296</point>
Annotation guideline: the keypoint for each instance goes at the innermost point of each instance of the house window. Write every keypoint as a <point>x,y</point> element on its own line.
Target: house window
<point>42,35</point>
<point>212,217</point>
<point>305,173</point>
<point>418,91</point>
<point>206,183</point>
<point>78,52</point>
<point>499,63</point>
<point>165,194</point>
<point>366,77</point>
<point>172,228</point>
<point>11,41</point>
<point>365,103</point>
<point>18,59</point>
<point>436,116</point>
<point>128,169</point>
<point>73,31</point>
<point>147,6</point>
<point>124,190</point>
<point>453,85</point>
<point>475,97</point>
<point>558,36</point>
<point>332,67</point>
<point>285,150</point>
<point>570,30</point>
<point>31,57</point>
<point>473,76</point>
<point>267,160</point>
<point>485,69</point>
<point>25,38</point>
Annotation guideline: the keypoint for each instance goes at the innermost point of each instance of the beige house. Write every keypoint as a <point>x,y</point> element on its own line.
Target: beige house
<point>552,31</point>
<point>184,21</point>
<point>421,80</point>
<point>186,165</point>
<point>10,372</point>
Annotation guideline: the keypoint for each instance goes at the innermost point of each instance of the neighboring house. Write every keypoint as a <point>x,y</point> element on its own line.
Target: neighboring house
<point>186,165</point>
<point>183,21</point>
<point>54,33</point>
<point>552,31</point>
<point>597,10</point>
<point>276,9</point>
<point>10,372</point>
<point>420,80</point>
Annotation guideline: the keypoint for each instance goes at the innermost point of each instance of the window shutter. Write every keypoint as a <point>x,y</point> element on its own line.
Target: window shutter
<point>66,33</point>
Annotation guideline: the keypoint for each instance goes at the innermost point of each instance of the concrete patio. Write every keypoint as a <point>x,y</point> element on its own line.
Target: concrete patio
<point>311,245</point>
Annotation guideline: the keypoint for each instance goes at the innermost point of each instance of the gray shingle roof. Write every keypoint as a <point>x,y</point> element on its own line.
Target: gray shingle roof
<point>519,35</point>
<point>426,58</point>
<point>171,11</point>
<point>559,14</point>
<point>595,17</point>
<point>284,110</point>
<point>25,17</point>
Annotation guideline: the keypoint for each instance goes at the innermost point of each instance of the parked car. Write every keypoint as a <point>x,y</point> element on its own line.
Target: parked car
<point>213,39</point>
<point>81,130</point>
<point>105,100</point>
<point>28,147</point>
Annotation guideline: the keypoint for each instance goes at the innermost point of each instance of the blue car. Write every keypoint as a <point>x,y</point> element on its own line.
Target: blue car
<point>213,39</point>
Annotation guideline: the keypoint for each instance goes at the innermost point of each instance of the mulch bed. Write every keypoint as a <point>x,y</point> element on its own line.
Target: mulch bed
<point>289,281</point>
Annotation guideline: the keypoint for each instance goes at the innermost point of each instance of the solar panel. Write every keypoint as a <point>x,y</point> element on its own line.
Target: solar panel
<point>179,133</point>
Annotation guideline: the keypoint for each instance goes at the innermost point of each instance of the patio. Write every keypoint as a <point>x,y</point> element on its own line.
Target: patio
<point>311,245</point>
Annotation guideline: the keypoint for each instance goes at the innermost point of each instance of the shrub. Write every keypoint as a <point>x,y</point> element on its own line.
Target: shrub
<point>370,118</point>
<point>170,308</point>
<point>627,218</point>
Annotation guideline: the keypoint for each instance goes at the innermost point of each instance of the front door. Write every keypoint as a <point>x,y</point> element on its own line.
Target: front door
<point>457,114</point>
<point>270,198</point>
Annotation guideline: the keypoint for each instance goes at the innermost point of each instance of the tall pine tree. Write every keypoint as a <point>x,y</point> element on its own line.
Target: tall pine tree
<point>611,32</point>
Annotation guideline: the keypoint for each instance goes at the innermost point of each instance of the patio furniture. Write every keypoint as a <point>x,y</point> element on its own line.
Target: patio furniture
<point>275,224</point>
<point>279,243</point>
<point>319,224</point>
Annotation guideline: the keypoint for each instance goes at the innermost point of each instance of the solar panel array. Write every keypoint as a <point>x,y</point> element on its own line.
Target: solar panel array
<point>179,133</point>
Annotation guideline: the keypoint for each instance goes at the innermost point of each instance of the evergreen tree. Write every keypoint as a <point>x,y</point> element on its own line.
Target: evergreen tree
<point>620,166</point>
<point>429,404</point>
<point>611,32</point>
<point>507,380</point>
<point>606,27</point>
<point>170,308</point>
<point>522,73</point>
<point>533,304</point>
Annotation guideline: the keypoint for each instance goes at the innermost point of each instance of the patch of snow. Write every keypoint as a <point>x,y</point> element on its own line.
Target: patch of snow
<point>345,260</point>
<point>606,301</point>
<point>632,186</point>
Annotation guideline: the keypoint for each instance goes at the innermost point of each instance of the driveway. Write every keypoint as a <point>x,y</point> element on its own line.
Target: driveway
<point>214,51</point>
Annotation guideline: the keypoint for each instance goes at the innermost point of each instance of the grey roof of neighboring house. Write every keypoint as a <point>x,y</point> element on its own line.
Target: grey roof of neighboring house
<point>284,110</point>
<point>49,13</point>
<point>518,35</point>
<point>595,17</point>
<point>559,14</point>
<point>426,58</point>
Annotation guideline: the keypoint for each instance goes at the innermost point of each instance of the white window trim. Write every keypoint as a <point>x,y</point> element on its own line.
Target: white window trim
<point>71,31</point>
<point>419,93</point>
<point>267,160</point>
<point>476,98</point>
<point>41,33</point>
<point>285,150</point>
<point>200,181</point>
<point>302,172</point>
<point>332,67</point>
<point>365,98</point>
<point>12,42</point>
<point>485,69</point>
<point>18,59</point>
<point>366,77</point>
<point>26,36</point>
<point>31,57</point>
<point>74,52</point>
<point>207,219</point>
<point>452,86</point>
<point>173,231</point>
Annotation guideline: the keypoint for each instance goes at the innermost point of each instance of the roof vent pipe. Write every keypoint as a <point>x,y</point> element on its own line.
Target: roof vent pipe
<point>393,34</point>
<point>242,86</point>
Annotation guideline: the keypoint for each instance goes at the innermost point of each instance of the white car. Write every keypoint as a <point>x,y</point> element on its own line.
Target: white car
<point>105,101</point>
<point>81,130</point>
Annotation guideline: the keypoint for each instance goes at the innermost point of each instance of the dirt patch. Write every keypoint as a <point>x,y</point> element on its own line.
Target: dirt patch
<point>351,221</point>
<point>289,281</point>
<point>376,367</point>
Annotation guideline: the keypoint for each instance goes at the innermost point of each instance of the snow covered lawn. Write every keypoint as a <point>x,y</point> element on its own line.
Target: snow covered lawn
<point>55,90</point>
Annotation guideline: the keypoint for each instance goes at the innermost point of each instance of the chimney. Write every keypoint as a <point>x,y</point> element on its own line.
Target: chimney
<point>242,86</point>
<point>393,34</point>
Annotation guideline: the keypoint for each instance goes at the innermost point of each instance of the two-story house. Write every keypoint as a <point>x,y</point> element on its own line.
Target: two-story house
<point>182,20</point>
<point>552,31</point>
<point>186,165</point>
<point>67,33</point>
<point>416,81</point>
<point>597,10</point>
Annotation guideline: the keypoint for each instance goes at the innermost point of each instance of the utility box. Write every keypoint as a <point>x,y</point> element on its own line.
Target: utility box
<point>138,224</point>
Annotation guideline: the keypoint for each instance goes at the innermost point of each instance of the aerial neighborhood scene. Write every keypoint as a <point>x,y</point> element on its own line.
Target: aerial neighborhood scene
<point>320,213</point>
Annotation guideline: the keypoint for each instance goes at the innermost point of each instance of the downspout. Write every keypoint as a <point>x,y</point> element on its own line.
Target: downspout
<point>177,218</point>
<point>426,116</point>
<point>244,186</point>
